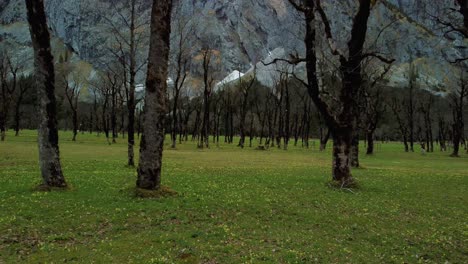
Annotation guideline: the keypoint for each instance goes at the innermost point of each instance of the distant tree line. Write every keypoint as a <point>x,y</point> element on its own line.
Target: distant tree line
<point>258,115</point>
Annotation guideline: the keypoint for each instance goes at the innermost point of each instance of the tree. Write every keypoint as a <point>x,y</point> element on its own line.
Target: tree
<point>8,83</point>
<point>341,122</point>
<point>49,155</point>
<point>396,106</point>
<point>179,66</point>
<point>24,84</point>
<point>374,106</point>
<point>152,141</point>
<point>128,32</point>
<point>210,62</point>
<point>456,29</point>
<point>72,92</point>
<point>245,87</point>
<point>425,108</point>
<point>457,104</point>
<point>72,86</point>
<point>375,109</point>
<point>411,104</point>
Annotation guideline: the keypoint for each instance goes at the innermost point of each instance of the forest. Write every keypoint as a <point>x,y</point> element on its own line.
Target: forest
<point>163,145</point>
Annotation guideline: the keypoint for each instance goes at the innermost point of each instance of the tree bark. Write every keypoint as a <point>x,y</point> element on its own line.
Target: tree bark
<point>75,124</point>
<point>341,159</point>
<point>152,142</point>
<point>324,139</point>
<point>355,151</point>
<point>131,93</point>
<point>370,142</point>
<point>49,155</point>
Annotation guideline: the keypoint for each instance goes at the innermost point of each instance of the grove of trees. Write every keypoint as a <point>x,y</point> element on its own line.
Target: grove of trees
<point>349,100</point>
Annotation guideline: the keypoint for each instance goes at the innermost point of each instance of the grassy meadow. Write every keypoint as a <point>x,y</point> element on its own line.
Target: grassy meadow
<point>233,206</point>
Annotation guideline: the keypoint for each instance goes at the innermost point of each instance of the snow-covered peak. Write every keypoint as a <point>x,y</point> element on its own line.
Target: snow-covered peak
<point>235,75</point>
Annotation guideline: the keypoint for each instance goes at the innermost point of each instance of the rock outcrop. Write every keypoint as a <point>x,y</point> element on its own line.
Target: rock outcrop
<point>246,31</point>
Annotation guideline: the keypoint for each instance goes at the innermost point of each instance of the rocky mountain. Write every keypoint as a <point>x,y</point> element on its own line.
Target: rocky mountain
<point>247,31</point>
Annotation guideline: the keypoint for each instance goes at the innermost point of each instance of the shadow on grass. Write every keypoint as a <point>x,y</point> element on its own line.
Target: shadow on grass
<point>41,187</point>
<point>163,192</point>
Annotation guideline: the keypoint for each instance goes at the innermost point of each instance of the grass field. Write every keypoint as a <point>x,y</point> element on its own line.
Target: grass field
<point>233,206</point>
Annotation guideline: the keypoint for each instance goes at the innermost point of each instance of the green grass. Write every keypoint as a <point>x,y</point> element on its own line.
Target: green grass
<point>232,206</point>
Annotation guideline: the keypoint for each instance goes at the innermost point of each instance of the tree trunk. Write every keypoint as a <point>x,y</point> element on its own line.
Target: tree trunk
<point>131,96</point>
<point>152,142</point>
<point>251,129</point>
<point>2,127</point>
<point>287,116</point>
<point>242,127</point>
<point>355,151</point>
<point>17,117</point>
<point>204,139</point>
<point>231,126</point>
<point>114,116</point>
<point>131,138</point>
<point>324,140</point>
<point>341,158</point>
<point>405,143</point>
<point>49,155</point>
<point>75,123</point>
<point>370,142</point>
<point>457,135</point>
<point>174,119</point>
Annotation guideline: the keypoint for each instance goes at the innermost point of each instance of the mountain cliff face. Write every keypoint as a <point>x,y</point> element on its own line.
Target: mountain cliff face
<point>246,31</point>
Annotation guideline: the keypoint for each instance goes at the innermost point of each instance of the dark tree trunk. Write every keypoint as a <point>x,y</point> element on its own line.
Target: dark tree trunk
<point>174,119</point>
<point>458,127</point>
<point>208,81</point>
<point>17,117</point>
<point>243,114</point>
<point>287,115</point>
<point>122,119</point>
<point>296,128</point>
<point>324,139</point>
<point>273,128</point>
<point>196,125</point>
<point>139,125</point>
<point>2,127</point>
<point>355,151</point>
<point>262,129</point>
<point>411,108</point>
<point>442,135</point>
<point>457,138</point>
<point>251,129</point>
<point>402,126</point>
<point>131,93</point>
<point>105,119</point>
<point>405,143</point>
<point>4,108</point>
<point>279,135</point>
<point>152,142</point>
<point>179,82</point>
<point>370,142</point>
<point>75,124</point>
<point>49,155</point>
<point>6,95</point>
<point>91,123</point>
<point>218,125</point>
<point>204,139</point>
<point>226,126</point>
<point>114,116</point>
<point>231,126</point>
